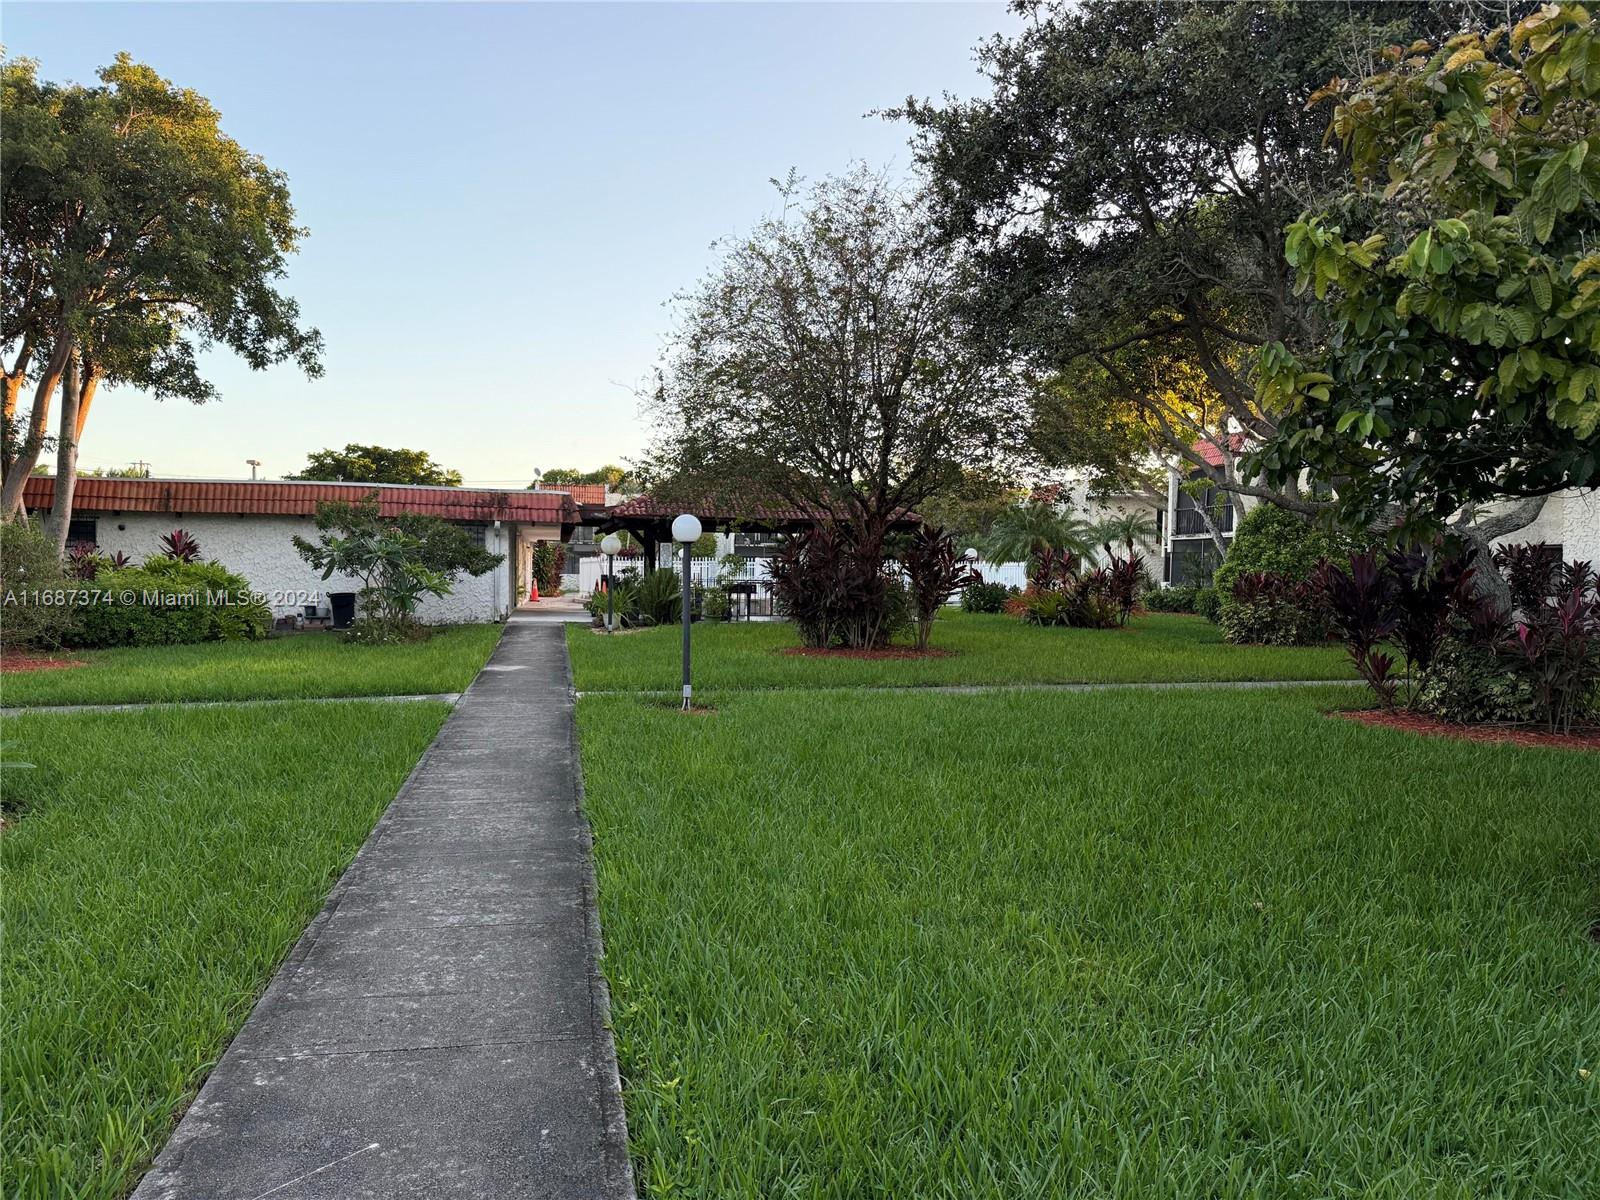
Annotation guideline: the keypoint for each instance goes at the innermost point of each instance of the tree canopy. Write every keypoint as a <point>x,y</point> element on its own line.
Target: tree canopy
<point>1460,278</point>
<point>137,234</point>
<point>827,361</point>
<point>1123,189</point>
<point>611,475</point>
<point>376,464</point>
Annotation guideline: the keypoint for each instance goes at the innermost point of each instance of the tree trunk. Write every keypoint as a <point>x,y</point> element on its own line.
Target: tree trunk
<point>91,381</point>
<point>38,422</point>
<point>72,389</point>
<point>1487,581</point>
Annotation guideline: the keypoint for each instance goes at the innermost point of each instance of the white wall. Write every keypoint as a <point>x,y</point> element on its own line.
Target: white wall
<point>1570,520</point>
<point>258,548</point>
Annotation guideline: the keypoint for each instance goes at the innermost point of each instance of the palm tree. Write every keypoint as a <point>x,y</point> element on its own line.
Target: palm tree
<point>1020,533</point>
<point>1127,530</point>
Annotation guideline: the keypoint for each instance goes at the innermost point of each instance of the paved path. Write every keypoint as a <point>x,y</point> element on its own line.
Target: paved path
<point>439,1029</point>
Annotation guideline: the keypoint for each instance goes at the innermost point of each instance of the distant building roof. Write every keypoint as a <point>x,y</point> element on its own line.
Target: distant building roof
<point>715,512</point>
<point>276,498</point>
<point>1212,452</point>
<point>581,493</point>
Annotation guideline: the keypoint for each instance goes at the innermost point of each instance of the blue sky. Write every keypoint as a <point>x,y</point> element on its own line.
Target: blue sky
<point>501,197</point>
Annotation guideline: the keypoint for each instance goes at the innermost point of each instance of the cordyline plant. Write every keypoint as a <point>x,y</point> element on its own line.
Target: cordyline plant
<point>1411,601</point>
<point>834,588</point>
<point>935,571</point>
<point>1059,592</point>
<point>181,545</point>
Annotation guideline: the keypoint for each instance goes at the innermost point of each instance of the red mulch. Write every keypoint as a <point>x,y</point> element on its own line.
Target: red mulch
<point>1585,739</point>
<point>884,652</point>
<point>16,664</point>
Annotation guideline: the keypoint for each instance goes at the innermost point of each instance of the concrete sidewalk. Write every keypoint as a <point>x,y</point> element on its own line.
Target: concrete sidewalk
<point>439,1029</point>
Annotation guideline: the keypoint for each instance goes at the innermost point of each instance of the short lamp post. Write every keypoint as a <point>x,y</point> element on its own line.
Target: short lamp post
<point>610,545</point>
<point>686,532</point>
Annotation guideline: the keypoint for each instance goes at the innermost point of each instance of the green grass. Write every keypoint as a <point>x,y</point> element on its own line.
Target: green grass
<point>992,649</point>
<point>285,668</point>
<point>162,865</point>
<point>1125,944</point>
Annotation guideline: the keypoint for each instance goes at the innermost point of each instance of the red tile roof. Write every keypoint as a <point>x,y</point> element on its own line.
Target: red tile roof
<point>648,509</point>
<point>1210,451</point>
<point>581,493</point>
<point>275,498</point>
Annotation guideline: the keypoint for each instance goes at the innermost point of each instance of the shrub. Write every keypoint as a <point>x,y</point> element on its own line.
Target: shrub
<point>1270,610</point>
<point>934,571</point>
<point>1062,594</point>
<point>167,602</point>
<point>658,597</point>
<point>836,589</point>
<point>1464,658</point>
<point>1177,599</point>
<point>33,590</point>
<point>984,597</point>
<point>1206,603</point>
<point>1276,543</point>
<point>549,560</point>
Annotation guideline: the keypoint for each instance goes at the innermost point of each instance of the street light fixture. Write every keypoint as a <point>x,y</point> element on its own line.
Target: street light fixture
<point>686,532</point>
<point>252,463</point>
<point>609,546</point>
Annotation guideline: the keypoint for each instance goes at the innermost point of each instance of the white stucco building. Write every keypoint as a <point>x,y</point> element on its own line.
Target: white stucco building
<point>248,527</point>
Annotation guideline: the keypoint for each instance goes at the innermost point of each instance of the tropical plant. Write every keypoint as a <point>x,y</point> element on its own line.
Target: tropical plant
<point>935,571</point>
<point>1060,593</point>
<point>82,560</point>
<point>1128,530</point>
<point>1459,278</point>
<point>394,575</point>
<point>1025,531</point>
<point>181,545</point>
<point>834,588</point>
<point>659,597</point>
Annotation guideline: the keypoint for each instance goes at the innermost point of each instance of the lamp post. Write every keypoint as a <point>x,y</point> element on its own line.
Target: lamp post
<point>609,545</point>
<point>686,531</point>
<point>252,463</point>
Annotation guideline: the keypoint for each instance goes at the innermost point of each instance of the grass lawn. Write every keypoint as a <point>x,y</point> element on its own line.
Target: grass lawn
<point>985,649</point>
<point>1170,944</point>
<point>283,668</point>
<point>162,864</point>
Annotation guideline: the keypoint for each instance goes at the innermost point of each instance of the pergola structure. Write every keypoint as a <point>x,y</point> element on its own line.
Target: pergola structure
<point>649,521</point>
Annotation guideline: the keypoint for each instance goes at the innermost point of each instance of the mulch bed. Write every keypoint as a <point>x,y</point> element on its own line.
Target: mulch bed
<point>884,652</point>
<point>1515,735</point>
<point>17,664</point>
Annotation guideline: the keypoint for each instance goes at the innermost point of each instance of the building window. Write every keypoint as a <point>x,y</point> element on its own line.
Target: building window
<point>83,529</point>
<point>583,535</point>
<point>1191,510</point>
<point>1193,562</point>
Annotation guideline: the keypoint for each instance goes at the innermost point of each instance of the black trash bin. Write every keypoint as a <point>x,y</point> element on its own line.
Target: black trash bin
<point>344,609</point>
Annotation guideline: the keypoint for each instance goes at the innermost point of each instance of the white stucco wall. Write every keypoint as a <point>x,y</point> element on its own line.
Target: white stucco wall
<point>259,548</point>
<point>1570,520</point>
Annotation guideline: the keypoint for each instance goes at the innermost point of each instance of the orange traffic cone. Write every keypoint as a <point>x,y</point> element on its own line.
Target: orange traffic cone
<point>533,592</point>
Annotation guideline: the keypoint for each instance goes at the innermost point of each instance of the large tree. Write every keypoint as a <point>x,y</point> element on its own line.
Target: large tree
<point>376,464</point>
<point>136,234</point>
<point>827,362</point>
<point>1461,273</point>
<point>1124,188</point>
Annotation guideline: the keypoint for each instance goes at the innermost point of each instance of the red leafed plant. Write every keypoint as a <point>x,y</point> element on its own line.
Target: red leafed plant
<point>935,572</point>
<point>181,545</point>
